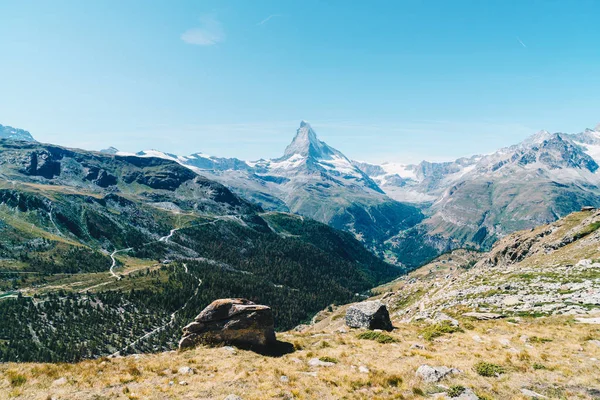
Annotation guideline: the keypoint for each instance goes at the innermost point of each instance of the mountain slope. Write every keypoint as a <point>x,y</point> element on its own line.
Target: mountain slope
<point>535,336</point>
<point>106,253</point>
<point>472,202</point>
<point>314,180</point>
<point>549,270</point>
<point>8,132</point>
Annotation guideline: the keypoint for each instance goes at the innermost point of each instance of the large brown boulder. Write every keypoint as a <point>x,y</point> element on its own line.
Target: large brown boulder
<point>231,321</point>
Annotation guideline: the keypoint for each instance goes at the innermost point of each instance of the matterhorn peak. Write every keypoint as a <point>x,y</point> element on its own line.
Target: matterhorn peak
<point>307,144</point>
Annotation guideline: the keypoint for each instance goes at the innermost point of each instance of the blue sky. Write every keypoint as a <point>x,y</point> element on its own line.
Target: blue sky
<point>379,80</point>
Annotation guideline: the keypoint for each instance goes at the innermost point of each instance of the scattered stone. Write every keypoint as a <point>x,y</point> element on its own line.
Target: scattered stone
<point>477,338</point>
<point>60,382</point>
<point>594,341</point>
<point>185,371</point>
<point>369,315</point>
<point>233,397</point>
<point>301,328</point>
<point>434,374</point>
<point>231,321</point>
<point>524,338</point>
<point>362,369</point>
<point>315,362</point>
<point>418,346</point>
<point>511,301</point>
<point>284,379</point>
<point>504,342</point>
<point>183,383</point>
<point>588,320</point>
<point>440,316</point>
<point>466,394</point>
<point>532,394</point>
<point>483,316</point>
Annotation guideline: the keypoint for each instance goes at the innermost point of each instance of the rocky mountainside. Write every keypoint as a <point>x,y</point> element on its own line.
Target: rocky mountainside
<point>314,180</point>
<point>520,322</point>
<point>553,269</point>
<point>472,202</point>
<point>8,132</point>
<point>105,253</point>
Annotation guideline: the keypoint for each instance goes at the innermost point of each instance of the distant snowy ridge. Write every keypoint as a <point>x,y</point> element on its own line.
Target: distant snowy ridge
<point>8,132</point>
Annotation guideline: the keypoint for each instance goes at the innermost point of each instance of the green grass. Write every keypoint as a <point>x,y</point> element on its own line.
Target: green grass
<point>441,328</point>
<point>379,337</point>
<point>591,228</point>
<point>455,391</point>
<point>329,359</point>
<point>488,369</point>
<point>16,379</point>
<point>536,339</point>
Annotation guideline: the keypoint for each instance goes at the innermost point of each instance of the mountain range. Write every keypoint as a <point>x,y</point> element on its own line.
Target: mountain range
<point>409,214</point>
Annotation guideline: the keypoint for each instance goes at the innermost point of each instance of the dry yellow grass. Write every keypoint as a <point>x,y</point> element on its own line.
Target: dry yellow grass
<point>566,367</point>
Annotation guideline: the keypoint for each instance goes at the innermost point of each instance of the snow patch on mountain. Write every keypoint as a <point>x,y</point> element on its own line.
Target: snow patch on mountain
<point>8,132</point>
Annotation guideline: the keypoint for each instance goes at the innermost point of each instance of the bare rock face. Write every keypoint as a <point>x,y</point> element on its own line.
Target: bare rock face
<point>231,321</point>
<point>369,315</point>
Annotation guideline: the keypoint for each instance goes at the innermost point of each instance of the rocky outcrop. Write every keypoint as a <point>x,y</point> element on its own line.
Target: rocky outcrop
<point>42,163</point>
<point>434,374</point>
<point>231,321</point>
<point>369,315</point>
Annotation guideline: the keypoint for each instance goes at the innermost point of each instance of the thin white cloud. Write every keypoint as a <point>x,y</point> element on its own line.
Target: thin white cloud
<point>520,41</point>
<point>209,33</point>
<point>264,21</point>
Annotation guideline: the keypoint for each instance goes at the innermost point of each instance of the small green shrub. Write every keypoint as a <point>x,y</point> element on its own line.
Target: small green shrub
<point>455,391</point>
<point>488,369</point>
<point>17,380</point>
<point>436,330</point>
<point>468,326</point>
<point>418,391</point>
<point>329,359</point>
<point>379,337</point>
<point>394,380</point>
<point>538,366</point>
<point>535,339</point>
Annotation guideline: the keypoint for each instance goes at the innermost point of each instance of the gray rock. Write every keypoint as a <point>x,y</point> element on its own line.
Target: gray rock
<point>284,379</point>
<point>315,362</point>
<point>231,321</point>
<point>483,316</point>
<point>532,394</point>
<point>233,397</point>
<point>467,394</point>
<point>59,382</point>
<point>434,374</point>
<point>185,371</point>
<point>440,316</point>
<point>369,315</point>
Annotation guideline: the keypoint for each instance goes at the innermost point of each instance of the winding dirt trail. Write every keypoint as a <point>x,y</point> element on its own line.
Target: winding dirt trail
<point>171,319</point>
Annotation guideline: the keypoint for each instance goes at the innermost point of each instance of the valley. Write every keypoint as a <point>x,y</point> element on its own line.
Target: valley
<point>451,315</point>
<point>105,257</point>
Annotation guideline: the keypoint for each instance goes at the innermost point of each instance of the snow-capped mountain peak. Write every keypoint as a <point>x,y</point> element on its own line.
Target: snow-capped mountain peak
<point>538,138</point>
<point>307,144</point>
<point>8,132</point>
